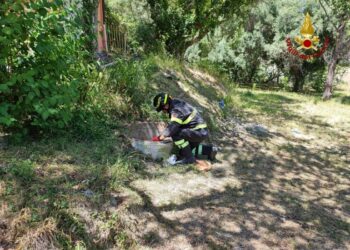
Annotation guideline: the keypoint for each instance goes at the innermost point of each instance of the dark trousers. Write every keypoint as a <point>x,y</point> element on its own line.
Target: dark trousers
<point>194,138</point>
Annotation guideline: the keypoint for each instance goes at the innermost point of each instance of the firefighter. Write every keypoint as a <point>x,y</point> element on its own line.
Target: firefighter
<point>187,128</point>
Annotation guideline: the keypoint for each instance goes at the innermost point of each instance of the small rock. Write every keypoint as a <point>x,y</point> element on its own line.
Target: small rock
<point>296,132</point>
<point>170,74</point>
<point>88,193</point>
<point>165,74</point>
<point>114,202</point>
<point>258,130</point>
<point>299,135</point>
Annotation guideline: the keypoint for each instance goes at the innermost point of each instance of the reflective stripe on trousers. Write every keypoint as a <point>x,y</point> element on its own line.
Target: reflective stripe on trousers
<point>199,148</point>
<point>181,143</point>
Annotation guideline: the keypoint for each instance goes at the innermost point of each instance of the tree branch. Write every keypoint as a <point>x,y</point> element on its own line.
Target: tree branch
<point>325,11</point>
<point>201,34</point>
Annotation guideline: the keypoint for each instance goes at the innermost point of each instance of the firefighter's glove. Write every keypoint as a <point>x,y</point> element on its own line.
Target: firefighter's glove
<point>155,138</point>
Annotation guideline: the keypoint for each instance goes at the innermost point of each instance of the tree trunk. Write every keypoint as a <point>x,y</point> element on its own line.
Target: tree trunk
<point>298,78</point>
<point>328,87</point>
<point>296,85</point>
<point>327,94</point>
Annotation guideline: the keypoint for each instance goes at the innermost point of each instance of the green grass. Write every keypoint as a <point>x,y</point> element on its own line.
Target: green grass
<point>49,177</point>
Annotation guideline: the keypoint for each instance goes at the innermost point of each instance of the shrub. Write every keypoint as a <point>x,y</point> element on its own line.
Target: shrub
<point>42,64</point>
<point>128,79</point>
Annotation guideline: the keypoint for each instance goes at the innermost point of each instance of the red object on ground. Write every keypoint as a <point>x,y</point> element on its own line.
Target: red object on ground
<point>155,138</point>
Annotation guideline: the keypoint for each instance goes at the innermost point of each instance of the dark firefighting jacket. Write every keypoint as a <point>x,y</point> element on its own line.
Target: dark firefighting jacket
<point>182,115</point>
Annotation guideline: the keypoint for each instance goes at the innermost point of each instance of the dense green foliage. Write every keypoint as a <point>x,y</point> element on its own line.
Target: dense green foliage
<point>184,23</point>
<point>47,81</point>
<point>176,25</point>
<point>256,53</point>
<point>248,43</point>
<point>42,63</point>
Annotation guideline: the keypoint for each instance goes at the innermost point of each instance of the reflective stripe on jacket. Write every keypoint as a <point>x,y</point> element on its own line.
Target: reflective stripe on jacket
<point>183,115</point>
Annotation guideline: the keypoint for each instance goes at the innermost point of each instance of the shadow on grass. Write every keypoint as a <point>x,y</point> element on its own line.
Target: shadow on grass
<point>210,90</point>
<point>345,100</point>
<point>278,108</point>
<point>295,198</point>
<point>274,105</point>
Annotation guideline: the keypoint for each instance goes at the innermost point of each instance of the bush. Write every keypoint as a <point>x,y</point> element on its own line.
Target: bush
<point>42,66</point>
<point>120,92</point>
<point>316,80</point>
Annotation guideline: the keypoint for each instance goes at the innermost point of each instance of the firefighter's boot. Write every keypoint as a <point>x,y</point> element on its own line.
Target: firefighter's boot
<point>186,156</point>
<point>208,151</point>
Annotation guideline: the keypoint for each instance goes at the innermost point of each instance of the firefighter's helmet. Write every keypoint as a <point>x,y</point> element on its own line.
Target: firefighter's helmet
<point>161,100</point>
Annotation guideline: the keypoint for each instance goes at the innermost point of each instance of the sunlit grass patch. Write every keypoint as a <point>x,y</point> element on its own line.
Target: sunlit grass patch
<point>292,108</point>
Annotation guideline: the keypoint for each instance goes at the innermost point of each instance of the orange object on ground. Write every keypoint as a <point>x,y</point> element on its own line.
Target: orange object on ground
<point>202,165</point>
